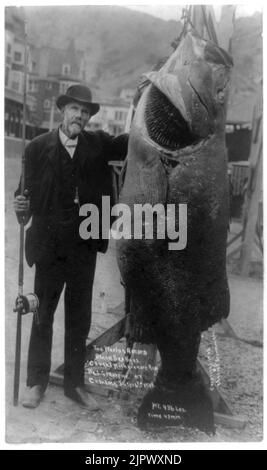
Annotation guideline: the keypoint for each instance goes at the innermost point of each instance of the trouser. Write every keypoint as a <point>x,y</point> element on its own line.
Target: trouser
<point>76,271</point>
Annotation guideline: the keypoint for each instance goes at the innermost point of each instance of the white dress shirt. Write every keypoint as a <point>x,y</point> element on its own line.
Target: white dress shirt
<point>69,144</point>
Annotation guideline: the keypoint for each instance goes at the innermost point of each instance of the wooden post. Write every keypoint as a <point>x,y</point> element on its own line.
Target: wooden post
<point>253,205</point>
<point>197,19</point>
<point>52,111</point>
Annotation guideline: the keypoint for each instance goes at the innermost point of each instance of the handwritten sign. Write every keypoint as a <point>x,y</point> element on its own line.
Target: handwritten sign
<point>166,412</point>
<point>121,368</point>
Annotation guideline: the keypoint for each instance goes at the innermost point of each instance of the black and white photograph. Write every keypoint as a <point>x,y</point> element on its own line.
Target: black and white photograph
<point>133,173</point>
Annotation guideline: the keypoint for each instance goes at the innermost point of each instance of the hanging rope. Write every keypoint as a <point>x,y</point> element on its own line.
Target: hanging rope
<point>187,23</point>
<point>188,20</point>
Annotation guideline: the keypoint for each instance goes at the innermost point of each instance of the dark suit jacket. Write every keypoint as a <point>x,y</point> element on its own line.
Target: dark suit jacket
<point>43,180</point>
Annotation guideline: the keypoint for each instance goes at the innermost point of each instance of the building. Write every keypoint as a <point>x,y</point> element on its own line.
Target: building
<point>53,72</point>
<point>50,72</point>
<point>14,73</point>
<point>111,117</point>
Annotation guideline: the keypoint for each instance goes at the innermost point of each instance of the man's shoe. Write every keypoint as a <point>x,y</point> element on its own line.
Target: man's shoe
<point>80,395</point>
<point>33,396</point>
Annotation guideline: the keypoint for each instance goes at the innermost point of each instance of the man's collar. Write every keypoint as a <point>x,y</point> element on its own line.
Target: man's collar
<point>65,140</point>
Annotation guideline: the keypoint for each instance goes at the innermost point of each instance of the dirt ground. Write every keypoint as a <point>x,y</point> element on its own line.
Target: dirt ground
<point>59,420</point>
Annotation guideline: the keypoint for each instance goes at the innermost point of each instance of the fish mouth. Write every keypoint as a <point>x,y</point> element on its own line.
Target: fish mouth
<point>165,123</point>
<point>185,101</point>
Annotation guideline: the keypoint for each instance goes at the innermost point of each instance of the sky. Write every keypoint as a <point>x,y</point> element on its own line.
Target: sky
<point>173,11</point>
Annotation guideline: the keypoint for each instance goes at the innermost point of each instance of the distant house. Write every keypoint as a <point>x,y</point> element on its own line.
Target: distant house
<point>111,117</point>
<point>127,95</point>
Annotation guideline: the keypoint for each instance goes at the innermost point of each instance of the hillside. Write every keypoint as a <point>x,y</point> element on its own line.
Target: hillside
<point>121,44</point>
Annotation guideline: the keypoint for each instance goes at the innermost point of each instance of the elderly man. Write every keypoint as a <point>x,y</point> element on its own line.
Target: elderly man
<point>64,169</point>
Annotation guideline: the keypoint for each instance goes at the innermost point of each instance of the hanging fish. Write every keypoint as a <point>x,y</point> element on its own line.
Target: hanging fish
<point>177,156</point>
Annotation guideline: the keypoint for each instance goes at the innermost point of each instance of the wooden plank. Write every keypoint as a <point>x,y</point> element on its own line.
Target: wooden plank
<point>219,402</point>
<point>108,338</point>
<point>252,342</point>
<point>254,190</point>
<point>229,331</point>
<point>233,252</point>
<point>246,248</point>
<point>230,421</point>
<point>235,237</point>
<point>118,310</point>
<point>57,379</point>
<point>116,163</point>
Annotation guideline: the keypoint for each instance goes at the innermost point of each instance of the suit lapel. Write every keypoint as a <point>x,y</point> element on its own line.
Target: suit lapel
<point>84,152</point>
<point>53,152</point>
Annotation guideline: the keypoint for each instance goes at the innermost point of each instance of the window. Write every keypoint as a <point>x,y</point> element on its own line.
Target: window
<point>117,113</point>
<point>33,104</point>
<point>120,115</point>
<point>66,69</point>
<point>115,130</point>
<point>49,85</point>
<point>33,86</point>
<point>15,86</point>
<point>16,81</point>
<point>47,104</point>
<point>7,76</point>
<point>64,85</point>
<point>9,48</point>
<point>18,57</point>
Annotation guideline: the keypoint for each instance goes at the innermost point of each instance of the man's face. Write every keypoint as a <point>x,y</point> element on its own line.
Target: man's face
<point>75,118</point>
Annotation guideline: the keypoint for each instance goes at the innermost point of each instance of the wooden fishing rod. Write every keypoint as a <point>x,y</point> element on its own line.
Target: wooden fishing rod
<point>19,301</point>
<point>24,303</point>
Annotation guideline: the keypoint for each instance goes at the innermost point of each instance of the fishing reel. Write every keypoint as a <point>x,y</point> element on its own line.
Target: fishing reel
<point>28,303</point>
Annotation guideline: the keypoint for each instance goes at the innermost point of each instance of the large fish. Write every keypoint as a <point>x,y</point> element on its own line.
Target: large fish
<point>177,155</point>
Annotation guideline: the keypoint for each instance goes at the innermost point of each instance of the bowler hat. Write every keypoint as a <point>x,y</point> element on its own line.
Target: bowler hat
<point>80,93</point>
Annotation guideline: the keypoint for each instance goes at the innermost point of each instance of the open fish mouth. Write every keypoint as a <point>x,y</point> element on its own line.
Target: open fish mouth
<point>185,102</point>
<point>165,123</point>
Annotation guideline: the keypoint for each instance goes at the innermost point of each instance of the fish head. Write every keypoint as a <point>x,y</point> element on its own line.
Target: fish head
<point>187,97</point>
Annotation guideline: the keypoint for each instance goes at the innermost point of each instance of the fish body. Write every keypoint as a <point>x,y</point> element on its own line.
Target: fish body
<point>177,156</point>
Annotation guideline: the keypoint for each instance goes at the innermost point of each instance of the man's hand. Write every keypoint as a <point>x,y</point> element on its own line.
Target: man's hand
<point>22,209</point>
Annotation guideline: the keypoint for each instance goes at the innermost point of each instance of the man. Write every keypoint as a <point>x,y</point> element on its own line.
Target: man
<point>63,170</point>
